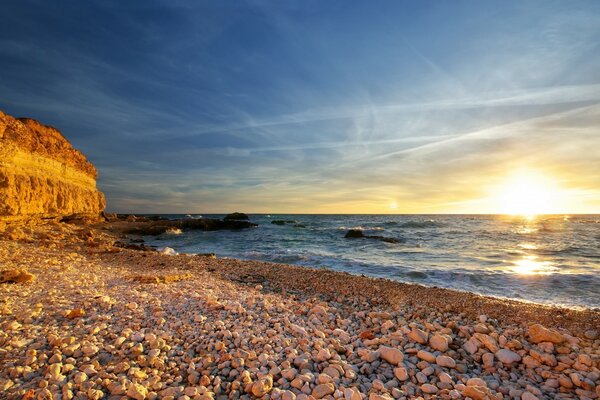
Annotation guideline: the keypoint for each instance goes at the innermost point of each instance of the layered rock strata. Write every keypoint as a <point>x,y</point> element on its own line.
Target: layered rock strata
<point>42,175</point>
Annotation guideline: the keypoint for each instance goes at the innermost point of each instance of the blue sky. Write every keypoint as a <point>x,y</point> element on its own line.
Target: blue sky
<point>324,106</point>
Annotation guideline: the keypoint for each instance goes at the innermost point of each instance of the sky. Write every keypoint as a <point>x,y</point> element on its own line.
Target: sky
<point>317,106</point>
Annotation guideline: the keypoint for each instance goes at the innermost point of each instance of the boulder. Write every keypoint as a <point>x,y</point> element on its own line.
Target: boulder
<point>354,233</point>
<point>236,216</point>
<point>538,333</point>
<point>16,276</point>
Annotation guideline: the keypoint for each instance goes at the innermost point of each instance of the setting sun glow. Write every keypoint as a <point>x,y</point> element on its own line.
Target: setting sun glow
<point>528,194</point>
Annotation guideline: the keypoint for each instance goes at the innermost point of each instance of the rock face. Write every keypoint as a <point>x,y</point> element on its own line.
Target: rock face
<point>42,175</point>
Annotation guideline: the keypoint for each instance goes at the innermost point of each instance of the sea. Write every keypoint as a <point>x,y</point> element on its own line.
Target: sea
<point>549,259</point>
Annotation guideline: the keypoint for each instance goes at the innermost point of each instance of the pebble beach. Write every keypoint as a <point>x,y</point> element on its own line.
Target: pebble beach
<point>84,318</point>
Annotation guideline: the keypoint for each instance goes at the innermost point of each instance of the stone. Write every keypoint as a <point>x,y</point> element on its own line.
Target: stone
<point>323,355</point>
<point>538,333</point>
<point>237,216</point>
<point>42,174</point>
<point>591,334</point>
<point>507,357</point>
<point>528,396</point>
<point>439,342</point>
<point>489,342</point>
<point>76,313</point>
<point>401,373</point>
<point>262,386</point>
<point>476,382</point>
<point>425,355</point>
<point>288,395</point>
<point>323,390</point>
<point>429,388</point>
<point>418,335</point>
<point>445,361</point>
<point>392,355</point>
<point>137,391</point>
<point>16,276</point>
<point>472,345</point>
<point>476,392</point>
<point>352,394</point>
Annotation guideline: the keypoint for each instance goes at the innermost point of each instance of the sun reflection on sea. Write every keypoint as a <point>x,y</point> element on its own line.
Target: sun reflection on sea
<point>530,265</point>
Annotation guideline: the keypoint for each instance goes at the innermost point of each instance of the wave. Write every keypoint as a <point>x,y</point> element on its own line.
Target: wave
<point>422,224</point>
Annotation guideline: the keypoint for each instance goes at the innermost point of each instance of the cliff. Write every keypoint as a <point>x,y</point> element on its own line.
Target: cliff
<point>42,175</point>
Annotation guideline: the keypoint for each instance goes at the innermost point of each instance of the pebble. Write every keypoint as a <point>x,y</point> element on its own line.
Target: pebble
<point>137,391</point>
<point>323,390</point>
<point>538,333</point>
<point>391,355</point>
<point>209,337</point>
<point>445,361</point>
<point>439,342</point>
<point>507,357</point>
<point>425,355</point>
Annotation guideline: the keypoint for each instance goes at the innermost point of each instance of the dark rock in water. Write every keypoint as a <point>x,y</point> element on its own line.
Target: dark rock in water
<point>354,233</point>
<point>384,239</point>
<point>155,228</point>
<point>237,216</point>
<point>283,221</point>
<point>357,233</point>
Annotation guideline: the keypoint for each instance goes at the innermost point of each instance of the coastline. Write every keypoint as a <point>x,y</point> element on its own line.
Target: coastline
<point>89,292</point>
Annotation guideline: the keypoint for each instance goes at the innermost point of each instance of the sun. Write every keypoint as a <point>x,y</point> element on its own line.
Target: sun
<point>528,193</point>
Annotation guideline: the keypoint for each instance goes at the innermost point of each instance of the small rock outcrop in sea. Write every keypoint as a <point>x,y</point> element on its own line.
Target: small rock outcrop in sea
<point>236,216</point>
<point>357,233</point>
<point>135,225</point>
<point>42,175</point>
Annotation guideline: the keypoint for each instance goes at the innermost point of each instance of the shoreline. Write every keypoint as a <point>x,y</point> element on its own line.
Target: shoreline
<point>88,296</point>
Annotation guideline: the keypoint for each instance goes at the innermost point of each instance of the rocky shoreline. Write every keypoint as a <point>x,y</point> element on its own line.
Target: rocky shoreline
<point>95,320</point>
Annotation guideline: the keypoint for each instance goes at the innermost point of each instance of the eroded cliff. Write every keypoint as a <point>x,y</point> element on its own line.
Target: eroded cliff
<point>42,175</point>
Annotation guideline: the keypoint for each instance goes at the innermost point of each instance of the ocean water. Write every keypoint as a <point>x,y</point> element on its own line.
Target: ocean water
<point>546,259</point>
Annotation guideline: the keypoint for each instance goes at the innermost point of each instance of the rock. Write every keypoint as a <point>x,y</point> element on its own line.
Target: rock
<point>417,335</point>
<point>425,355</point>
<point>538,333</point>
<point>12,326</point>
<point>507,357</point>
<point>472,345</point>
<point>445,361</point>
<point>237,216</point>
<point>76,313</point>
<point>401,373</point>
<point>476,382</point>
<point>262,386</point>
<point>42,174</point>
<point>354,233</point>
<point>429,388</point>
<point>352,394</point>
<point>528,396</point>
<point>489,342</point>
<point>323,355</point>
<point>476,392</point>
<point>392,355</point>
<point>591,334</point>
<point>439,342</point>
<point>137,391</point>
<point>288,395</point>
<point>323,390</point>
<point>16,275</point>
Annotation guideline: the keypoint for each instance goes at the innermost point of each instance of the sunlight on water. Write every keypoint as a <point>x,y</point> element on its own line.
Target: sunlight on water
<point>530,265</point>
<point>528,246</point>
